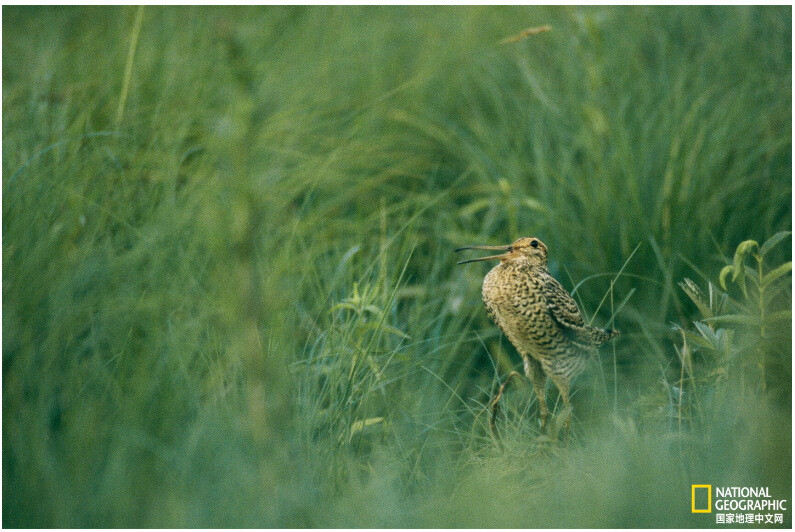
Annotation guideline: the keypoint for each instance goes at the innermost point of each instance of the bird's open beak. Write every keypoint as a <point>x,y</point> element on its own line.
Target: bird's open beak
<point>491,257</point>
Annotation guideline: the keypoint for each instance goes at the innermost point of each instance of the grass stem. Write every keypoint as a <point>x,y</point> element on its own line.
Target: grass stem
<point>125,86</point>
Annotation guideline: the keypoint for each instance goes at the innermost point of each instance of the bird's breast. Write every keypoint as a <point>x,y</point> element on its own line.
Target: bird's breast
<point>515,302</point>
<point>511,288</point>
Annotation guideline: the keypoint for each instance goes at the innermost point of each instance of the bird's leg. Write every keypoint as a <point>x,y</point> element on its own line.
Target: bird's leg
<point>562,384</point>
<point>494,403</point>
<point>569,413</point>
<point>534,372</point>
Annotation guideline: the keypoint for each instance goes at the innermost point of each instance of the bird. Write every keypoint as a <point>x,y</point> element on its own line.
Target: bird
<point>540,318</point>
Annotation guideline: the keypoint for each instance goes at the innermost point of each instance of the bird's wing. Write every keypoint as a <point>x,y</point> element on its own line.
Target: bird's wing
<point>562,307</point>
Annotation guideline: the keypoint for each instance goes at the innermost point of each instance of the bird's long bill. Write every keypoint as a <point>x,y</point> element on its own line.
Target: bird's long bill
<point>491,257</point>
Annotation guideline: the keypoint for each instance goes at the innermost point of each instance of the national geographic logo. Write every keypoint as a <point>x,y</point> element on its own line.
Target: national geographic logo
<point>740,505</point>
<point>704,492</point>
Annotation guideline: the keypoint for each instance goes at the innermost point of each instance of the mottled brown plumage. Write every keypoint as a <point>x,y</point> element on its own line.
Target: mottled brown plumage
<point>539,317</point>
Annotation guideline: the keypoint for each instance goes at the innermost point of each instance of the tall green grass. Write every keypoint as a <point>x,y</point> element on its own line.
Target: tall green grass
<point>229,292</point>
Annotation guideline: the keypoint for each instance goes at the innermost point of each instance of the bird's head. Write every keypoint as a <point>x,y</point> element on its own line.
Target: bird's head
<point>528,250</point>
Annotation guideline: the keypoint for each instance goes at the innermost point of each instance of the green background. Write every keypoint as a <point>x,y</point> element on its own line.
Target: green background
<point>229,289</point>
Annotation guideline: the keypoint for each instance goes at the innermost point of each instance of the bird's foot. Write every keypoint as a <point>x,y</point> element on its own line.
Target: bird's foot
<point>561,423</point>
<point>494,406</point>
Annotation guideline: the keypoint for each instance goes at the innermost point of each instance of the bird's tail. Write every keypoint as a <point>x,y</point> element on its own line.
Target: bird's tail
<point>601,336</point>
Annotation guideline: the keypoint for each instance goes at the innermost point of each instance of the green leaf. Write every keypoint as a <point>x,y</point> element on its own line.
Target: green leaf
<point>741,319</point>
<point>694,293</point>
<point>707,333</point>
<point>774,289</point>
<point>773,240</point>
<point>534,204</point>
<point>474,207</point>
<point>775,274</point>
<point>385,328</point>
<point>372,309</point>
<point>723,274</point>
<point>724,338</point>
<point>348,306</point>
<point>697,340</point>
<point>780,315</point>
<point>359,424</point>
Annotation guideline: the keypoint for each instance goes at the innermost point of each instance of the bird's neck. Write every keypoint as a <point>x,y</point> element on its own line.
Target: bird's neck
<point>524,266</point>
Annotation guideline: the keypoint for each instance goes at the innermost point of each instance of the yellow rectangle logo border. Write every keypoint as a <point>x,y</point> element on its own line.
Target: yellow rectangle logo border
<point>693,499</point>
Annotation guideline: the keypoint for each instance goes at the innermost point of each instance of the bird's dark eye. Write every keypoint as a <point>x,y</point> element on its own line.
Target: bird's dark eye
<point>534,243</point>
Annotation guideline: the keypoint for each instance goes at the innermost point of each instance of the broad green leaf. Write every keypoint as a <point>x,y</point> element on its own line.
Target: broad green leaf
<point>698,341</point>
<point>773,240</point>
<point>775,274</point>
<point>775,288</point>
<point>780,315</point>
<point>707,333</point>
